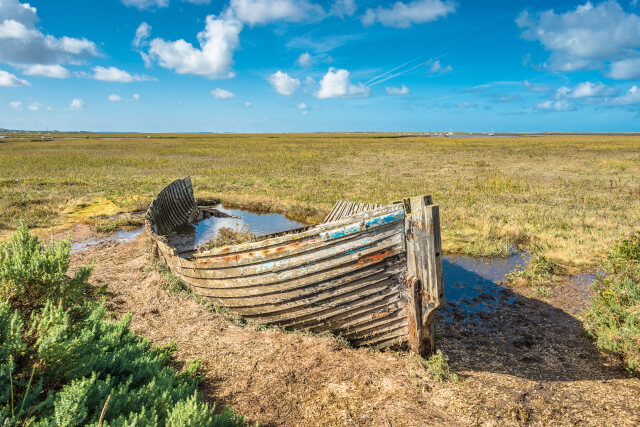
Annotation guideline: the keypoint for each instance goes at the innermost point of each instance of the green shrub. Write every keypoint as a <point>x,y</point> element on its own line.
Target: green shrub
<point>60,366</point>
<point>437,368</point>
<point>614,317</point>
<point>32,273</point>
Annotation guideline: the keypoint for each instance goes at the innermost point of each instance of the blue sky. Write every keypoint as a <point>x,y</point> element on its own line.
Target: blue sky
<point>311,65</point>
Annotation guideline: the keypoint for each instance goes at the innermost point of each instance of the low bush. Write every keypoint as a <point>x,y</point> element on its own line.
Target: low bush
<point>614,317</point>
<point>61,359</point>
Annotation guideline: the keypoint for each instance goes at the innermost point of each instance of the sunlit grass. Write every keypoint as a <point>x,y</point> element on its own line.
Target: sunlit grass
<point>573,195</point>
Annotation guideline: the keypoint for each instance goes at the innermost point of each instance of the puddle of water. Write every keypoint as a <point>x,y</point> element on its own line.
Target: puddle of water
<point>472,284</point>
<point>258,224</point>
<point>119,237</point>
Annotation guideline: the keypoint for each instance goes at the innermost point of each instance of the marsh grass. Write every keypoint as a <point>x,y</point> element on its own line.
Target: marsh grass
<point>227,236</point>
<point>575,194</point>
<point>614,317</point>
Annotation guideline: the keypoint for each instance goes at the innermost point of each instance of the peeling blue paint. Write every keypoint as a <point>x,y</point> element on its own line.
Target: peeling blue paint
<point>362,226</point>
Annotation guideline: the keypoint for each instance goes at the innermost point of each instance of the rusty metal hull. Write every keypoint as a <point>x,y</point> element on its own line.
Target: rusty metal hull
<point>349,277</point>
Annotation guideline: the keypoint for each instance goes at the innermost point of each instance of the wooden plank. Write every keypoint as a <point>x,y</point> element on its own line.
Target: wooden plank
<point>424,260</point>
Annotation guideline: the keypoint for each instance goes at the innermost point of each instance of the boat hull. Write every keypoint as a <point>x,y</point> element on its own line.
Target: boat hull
<point>358,276</point>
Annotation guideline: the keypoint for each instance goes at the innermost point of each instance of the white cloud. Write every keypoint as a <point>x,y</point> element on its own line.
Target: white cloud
<point>336,84</point>
<point>142,35</point>
<point>15,105</point>
<point>465,105</point>
<point>302,106</point>
<point>247,104</point>
<point>76,104</point>
<point>626,69</point>
<point>136,97</point>
<point>113,74</point>
<point>53,71</point>
<point>584,38</point>
<point>403,15</point>
<point>550,105</point>
<point>9,80</point>
<point>536,88</point>
<point>402,90</point>
<point>114,98</point>
<point>213,60</point>
<point>631,97</point>
<point>255,12</point>
<point>435,67</point>
<point>36,106</point>
<point>283,83</point>
<point>146,4</point>
<point>23,43</point>
<point>343,8</point>
<point>585,90</point>
<point>221,94</point>
<point>150,4</point>
<point>305,60</point>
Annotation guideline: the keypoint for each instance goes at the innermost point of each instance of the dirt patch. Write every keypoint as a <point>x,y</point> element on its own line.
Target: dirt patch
<point>527,363</point>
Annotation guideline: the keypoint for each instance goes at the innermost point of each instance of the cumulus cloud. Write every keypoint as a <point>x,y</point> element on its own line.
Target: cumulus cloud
<point>305,60</point>
<point>247,104</point>
<point>114,98</point>
<point>626,69</point>
<point>23,43</point>
<point>587,37</point>
<point>142,35</point>
<point>53,71</point>
<point>15,105</point>
<point>283,83</point>
<point>113,74</point>
<point>435,67</point>
<point>343,8</point>
<point>337,84</point>
<point>213,59</point>
<point>550,105</point>
<point>631,97</point>
<point>9,80</point>
<point>402,90</point>
<point>35,106</point>
<point>254,12</point>
<point>136,97</point>
<point>77,104</point>
<point>221,94</point>
<point>585,90</point>
<point>404,15</point>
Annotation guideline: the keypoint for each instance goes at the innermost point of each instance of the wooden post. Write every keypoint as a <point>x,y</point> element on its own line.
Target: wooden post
<point>424,268</point>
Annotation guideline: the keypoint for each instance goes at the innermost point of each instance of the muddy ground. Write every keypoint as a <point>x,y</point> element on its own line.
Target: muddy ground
<point>526,363</point>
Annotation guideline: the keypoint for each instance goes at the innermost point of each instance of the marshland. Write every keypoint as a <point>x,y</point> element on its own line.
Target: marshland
<point>550,339</point>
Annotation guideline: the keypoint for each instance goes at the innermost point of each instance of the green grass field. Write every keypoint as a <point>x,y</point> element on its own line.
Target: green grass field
<point>573,196</point>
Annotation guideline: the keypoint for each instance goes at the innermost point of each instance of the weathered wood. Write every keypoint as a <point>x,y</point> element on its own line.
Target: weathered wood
<point>365,273</point>
<point>343,209</point>
<point>424,262</point>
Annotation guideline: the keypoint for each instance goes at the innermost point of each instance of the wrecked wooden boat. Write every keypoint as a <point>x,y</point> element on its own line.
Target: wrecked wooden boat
<point>369,273</point>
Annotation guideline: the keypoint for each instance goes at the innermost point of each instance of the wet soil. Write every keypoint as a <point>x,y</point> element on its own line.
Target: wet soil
<point>523,362</point>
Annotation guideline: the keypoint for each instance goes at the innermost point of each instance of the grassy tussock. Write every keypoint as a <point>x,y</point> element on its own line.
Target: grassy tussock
<point>227,236</point>
<point>539,273</point>
<point>614,317</point>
